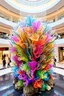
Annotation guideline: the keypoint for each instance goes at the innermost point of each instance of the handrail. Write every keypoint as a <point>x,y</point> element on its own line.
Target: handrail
<point>12,24</point>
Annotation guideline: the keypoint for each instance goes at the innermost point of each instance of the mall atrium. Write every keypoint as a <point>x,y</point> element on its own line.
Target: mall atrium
<point>14,11</point>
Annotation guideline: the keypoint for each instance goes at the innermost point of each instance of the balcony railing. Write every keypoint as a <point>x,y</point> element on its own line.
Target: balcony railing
<point>59,22</point>
<point>59,41</point>
<point>12,24</point>
<point>7,22</point>
<point>4,42</point>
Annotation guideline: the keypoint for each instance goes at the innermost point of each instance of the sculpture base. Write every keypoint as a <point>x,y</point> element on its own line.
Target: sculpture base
<point>39,93</point>
<point>30,91</point>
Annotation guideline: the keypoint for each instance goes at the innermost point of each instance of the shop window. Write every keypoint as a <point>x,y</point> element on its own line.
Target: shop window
<point>61,54</point>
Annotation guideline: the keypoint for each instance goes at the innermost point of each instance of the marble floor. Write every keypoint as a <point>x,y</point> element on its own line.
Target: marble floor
<point>7,89</point>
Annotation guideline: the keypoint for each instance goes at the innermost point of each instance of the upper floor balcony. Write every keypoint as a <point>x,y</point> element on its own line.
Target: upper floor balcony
<point>13,24</point>
<point>3,21</point>
<point>59,42</point>
<point>57,23</point>
<point>4,42</point>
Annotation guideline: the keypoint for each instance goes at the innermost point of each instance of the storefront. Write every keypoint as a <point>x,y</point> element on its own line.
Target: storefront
<point>3,51</point>
<point>61,54</point>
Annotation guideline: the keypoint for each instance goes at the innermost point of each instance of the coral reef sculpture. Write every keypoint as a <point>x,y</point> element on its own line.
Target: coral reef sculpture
<point>32,53</point>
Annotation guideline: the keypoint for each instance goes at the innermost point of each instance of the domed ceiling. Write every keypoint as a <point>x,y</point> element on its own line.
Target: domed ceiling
<point>32,2</point>
<point>32,6</point>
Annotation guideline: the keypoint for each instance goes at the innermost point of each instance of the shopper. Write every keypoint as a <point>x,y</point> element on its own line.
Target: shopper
<point>4,61</point>
<point>7,60</point>
<point>55,61</point>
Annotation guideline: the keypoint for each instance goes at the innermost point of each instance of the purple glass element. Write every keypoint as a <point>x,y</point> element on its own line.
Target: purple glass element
<point>35,25</point>
<point>15,58</point>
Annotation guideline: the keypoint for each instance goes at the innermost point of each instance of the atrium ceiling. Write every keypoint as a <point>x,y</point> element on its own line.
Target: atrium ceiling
<point>32,7</point>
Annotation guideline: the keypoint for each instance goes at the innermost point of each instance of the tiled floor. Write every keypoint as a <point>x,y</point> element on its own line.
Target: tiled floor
<point>7,89</point>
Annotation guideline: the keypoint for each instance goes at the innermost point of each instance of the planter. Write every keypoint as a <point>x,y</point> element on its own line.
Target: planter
<point>29,91</point>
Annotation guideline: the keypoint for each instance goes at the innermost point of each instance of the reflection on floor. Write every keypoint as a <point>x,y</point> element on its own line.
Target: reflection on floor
<point>5,71</point>
<point>7,89</point>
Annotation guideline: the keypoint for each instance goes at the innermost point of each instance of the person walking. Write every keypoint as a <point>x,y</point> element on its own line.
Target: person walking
<point>55,62</point>
<point>4,61</point>
<point>9,60</point>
